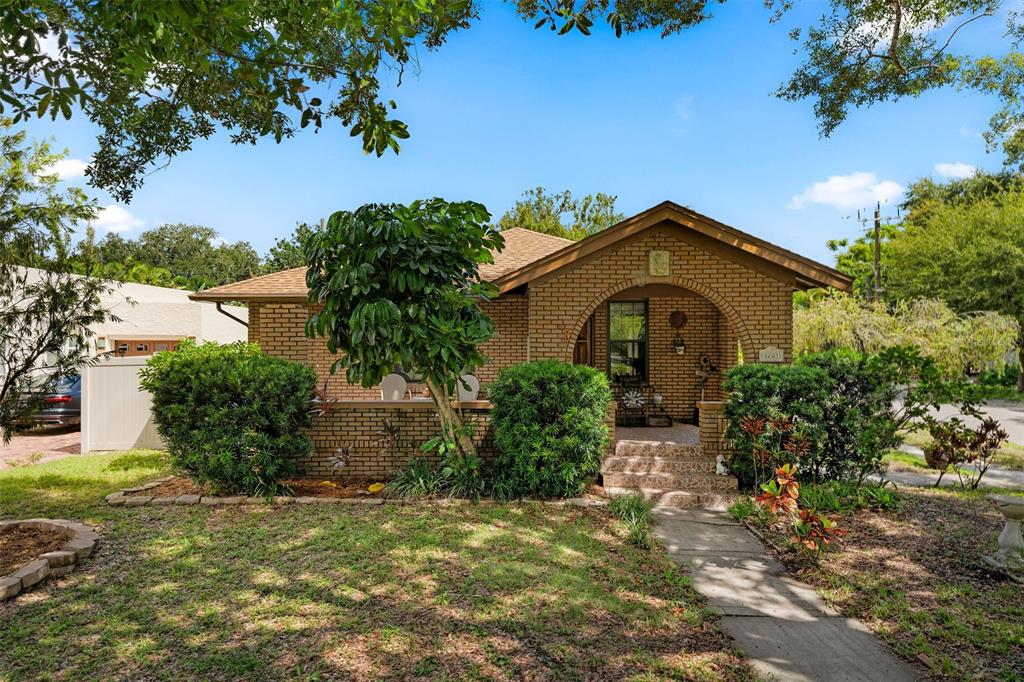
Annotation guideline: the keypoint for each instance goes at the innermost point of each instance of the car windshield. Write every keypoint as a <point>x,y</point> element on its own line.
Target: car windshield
<point>66,384</point>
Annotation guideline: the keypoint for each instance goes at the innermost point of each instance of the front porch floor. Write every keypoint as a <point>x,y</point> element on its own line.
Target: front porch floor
<point>677,434</point>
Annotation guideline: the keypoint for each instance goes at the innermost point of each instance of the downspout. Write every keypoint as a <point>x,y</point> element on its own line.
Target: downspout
<point>239,320</point>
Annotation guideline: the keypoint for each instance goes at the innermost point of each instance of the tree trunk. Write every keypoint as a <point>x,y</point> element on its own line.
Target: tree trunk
<point>1020,366</point>
<point>451,420</point>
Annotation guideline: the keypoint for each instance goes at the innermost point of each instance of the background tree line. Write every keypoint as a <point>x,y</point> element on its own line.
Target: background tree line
<point>960,242</point>
<point>195,257</point>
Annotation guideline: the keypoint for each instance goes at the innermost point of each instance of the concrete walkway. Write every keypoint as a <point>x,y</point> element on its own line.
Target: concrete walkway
<point>782,625</point>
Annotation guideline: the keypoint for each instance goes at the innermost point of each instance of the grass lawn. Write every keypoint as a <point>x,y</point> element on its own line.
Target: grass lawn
<point>416,591</point>
<point>916,578</point>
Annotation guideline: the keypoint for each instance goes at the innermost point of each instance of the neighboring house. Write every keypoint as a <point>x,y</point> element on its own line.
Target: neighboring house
<point>157,318</point>
<point>664,302</point>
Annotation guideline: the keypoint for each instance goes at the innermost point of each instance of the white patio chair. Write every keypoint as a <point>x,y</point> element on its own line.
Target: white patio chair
<point>469,388</point>
<point>393,387</point>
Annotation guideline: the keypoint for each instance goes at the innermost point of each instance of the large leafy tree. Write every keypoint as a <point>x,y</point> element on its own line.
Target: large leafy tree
<point>970,255</point>
<point>156,77</point>
<point>287,253</point>
<point>397,286</point>
<point>45,314</point>
<point>169,255</point>
<point>856,54</point>
<point>561,214</point>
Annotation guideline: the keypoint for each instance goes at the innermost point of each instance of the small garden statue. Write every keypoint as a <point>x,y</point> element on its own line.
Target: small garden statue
<point>1010,555</point>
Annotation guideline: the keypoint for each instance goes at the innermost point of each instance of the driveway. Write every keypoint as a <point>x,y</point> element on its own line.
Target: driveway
<point>1009,414</point>
<point>40,446</point>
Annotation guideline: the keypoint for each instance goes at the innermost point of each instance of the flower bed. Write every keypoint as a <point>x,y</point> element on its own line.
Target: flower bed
<point>182,491</point>
<point>34,549</point>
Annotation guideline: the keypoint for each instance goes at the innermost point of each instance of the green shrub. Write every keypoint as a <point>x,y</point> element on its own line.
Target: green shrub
<point>843,497</point>
<point>419,478</point>
<point>230,415</point>
<point>851,407</point>
<point>550,427</point>
<point>1006,376</point>
<point>635,513</point>
<point>761,391</point>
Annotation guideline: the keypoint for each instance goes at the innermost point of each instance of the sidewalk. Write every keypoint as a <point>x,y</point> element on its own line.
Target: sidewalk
<point>783,626</point>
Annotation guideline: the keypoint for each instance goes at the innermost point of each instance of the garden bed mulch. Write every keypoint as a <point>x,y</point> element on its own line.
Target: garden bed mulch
<point>175,486</point>
<point>916,578</point>
<point>20,545</point>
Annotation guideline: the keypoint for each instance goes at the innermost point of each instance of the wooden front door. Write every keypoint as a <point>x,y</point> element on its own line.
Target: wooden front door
<point>583,353</point>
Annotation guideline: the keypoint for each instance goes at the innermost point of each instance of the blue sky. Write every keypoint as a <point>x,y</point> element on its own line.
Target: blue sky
<point>503,107</point>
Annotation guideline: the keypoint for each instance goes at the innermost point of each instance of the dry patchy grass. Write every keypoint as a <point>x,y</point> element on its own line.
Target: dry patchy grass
<point>415,591</point>
<point>916,578</point>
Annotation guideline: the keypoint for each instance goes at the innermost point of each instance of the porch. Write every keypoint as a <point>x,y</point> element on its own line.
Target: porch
<point>673,466</point>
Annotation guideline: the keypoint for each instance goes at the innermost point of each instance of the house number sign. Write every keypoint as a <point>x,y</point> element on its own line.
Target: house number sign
<point>771,354</point>
<point>659,263</point>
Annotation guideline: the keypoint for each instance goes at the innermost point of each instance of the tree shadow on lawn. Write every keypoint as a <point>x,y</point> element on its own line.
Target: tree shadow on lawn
<point>917,578</point>
<point>75,488</point>
<point>393,592</point>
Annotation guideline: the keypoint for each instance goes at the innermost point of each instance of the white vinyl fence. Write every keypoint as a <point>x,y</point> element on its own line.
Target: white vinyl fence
<point>116,412</point>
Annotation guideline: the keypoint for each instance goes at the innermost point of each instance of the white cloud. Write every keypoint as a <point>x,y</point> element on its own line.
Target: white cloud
<point>114,218</point>
<point>969,133</point>
<point>67,168</point>
<point>956,170</point>
<point>50,46</point>
<point>856,190</point>
<point>682,106</point>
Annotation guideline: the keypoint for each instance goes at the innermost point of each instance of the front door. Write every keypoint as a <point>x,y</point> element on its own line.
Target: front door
<point>583,352</point>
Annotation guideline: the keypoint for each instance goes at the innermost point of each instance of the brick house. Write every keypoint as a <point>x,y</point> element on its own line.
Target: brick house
<point>664,302</point>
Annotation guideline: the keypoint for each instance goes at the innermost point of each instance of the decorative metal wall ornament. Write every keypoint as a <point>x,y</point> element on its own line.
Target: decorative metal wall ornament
<point>678,320</point>
<point>634,400</point>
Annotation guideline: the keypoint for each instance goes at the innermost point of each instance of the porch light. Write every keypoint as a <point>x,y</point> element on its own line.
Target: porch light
<point>678,345</point>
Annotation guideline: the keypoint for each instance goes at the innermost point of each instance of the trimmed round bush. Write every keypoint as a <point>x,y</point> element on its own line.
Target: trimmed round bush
<point>550,427</point>
<point>231,415</point>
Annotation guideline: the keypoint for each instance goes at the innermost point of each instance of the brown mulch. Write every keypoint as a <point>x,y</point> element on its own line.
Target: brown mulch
<point>19,545</point>
<point>301,487</point>
<point>335,487</point>
<point>179,485</point>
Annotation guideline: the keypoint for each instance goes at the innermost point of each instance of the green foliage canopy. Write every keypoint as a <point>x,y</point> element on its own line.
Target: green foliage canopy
<point>157,76</point>
<point>958,343</point>
<point>562,214</point>
<point>398,285</point>
<point>45,315</point>
<point>231,415</point>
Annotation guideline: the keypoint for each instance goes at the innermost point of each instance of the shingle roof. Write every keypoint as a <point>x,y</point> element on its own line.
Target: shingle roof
<point>522,247</point>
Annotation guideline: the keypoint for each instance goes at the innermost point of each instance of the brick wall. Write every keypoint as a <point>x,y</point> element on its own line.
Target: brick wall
<point>360,426</point>
<point>713,441</point>
<point>511,331</point>
<point>756,306</point>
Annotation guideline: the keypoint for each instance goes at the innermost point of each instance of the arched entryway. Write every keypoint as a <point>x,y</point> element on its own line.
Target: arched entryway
<point>669,341</point>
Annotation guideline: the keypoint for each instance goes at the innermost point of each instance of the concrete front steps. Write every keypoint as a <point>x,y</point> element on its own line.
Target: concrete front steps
<point>669,474</point>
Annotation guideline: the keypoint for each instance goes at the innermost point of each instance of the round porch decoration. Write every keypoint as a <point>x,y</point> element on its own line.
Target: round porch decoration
<point>633,400</point>
<point>677,319</point>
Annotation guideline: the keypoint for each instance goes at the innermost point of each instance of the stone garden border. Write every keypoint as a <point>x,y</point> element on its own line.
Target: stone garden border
<point>81,542</point>
<point>122,499</point>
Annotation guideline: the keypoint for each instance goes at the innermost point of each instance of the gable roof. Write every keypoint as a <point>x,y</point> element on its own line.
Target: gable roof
<point>529,255</point>
<point>805,272</point>
<point>522,247</point>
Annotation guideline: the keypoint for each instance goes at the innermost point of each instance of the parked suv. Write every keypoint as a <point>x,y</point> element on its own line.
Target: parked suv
<point>63,405</point>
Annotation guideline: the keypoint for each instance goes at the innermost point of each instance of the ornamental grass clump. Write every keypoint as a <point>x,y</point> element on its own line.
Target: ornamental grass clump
<point>231,416</point>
